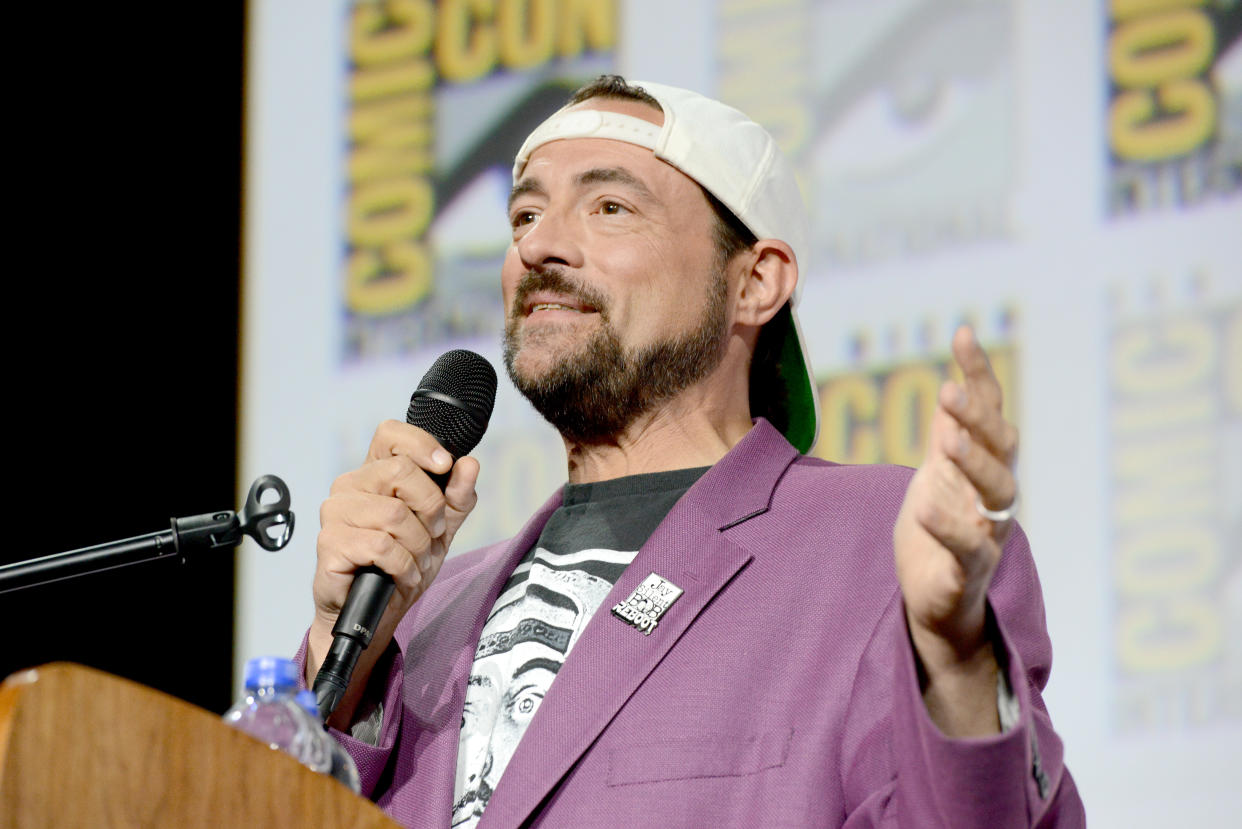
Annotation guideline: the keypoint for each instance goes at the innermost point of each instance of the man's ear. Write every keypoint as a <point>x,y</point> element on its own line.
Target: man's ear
<point>768,282</point>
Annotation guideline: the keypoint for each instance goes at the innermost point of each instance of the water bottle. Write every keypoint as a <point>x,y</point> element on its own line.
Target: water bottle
<point>268,710</point>
<point>340,764</point>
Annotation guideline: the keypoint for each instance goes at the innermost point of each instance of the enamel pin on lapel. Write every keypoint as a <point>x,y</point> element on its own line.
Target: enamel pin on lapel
<point>647,603</point>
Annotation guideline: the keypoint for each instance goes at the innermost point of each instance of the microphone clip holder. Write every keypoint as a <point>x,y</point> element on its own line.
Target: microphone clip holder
<point>270,525</point>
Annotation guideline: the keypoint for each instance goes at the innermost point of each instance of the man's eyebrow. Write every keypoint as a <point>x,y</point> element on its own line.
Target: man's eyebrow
<point>596,175</point>
<point>614,175</point>
<point>525,187</point>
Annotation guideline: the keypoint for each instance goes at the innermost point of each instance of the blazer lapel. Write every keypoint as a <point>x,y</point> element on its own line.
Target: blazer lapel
<point>612,658</point>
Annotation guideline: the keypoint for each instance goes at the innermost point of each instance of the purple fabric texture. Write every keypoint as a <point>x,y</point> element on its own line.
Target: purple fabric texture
<point>779,690</point>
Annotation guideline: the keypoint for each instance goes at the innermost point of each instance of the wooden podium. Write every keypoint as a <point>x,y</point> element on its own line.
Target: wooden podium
<point>79,747</point>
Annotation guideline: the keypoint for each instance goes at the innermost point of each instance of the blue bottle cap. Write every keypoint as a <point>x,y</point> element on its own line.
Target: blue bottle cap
<point>271,671</point>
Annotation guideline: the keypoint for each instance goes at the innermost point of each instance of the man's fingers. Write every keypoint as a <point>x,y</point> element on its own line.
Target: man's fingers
<point>945,509</point>
<point>982,459</point>
<point>991,478</point>
<point>976,402</point>
<point>343,550</point>
<point>977,374</point>
<point>393,437</point>
<point>400,477</point>
<point>366,511</point>
<point>460,495</point>
<point>393,496</point>
<point>984,421</point>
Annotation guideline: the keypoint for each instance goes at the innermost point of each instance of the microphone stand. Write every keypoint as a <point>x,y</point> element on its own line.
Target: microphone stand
<point>269,524</point>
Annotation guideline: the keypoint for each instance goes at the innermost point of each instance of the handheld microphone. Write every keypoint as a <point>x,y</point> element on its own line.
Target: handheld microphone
<point>452,403</point>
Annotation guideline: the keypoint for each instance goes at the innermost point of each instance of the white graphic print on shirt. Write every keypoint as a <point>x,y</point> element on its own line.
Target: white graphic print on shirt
<point>533,625</point>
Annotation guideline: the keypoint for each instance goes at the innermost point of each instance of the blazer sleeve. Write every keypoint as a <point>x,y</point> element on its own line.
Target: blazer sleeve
<point>901,771</point>
<point>384,689</point>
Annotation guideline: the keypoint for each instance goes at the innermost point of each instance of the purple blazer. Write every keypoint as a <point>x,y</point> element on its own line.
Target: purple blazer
<point>778,690</point>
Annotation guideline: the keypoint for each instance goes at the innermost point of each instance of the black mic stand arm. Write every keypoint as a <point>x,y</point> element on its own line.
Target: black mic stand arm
<point>270,524</point>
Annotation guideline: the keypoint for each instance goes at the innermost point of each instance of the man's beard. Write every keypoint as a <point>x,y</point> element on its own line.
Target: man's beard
<point>597,390</point>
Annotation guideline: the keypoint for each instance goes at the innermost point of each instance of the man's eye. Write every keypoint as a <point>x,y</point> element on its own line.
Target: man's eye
<point>523,217</point>
<point>611,208</point>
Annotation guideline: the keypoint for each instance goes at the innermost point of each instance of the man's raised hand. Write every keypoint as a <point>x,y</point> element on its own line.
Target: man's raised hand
<point>947,551</point>
<point>389,513</point>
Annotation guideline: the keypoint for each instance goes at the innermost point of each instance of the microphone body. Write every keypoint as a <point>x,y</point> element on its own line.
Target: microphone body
<point>452,403</point>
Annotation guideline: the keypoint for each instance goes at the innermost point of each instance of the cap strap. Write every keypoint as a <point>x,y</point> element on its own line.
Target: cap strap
<point>588,123</point>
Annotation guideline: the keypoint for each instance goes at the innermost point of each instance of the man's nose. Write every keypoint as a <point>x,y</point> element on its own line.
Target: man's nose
<point>551,240</point>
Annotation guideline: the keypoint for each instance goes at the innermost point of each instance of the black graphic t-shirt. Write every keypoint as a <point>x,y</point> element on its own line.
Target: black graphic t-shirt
<point>556,589</point>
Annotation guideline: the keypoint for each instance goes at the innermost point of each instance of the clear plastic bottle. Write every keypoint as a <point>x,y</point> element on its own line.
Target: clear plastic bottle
<point>268,710</point>
<point>340,764</point>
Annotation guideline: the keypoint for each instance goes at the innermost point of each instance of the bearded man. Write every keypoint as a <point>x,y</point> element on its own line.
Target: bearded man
<point>704,627</point>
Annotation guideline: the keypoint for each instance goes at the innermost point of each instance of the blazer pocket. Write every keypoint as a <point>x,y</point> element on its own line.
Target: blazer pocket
<point>685,758</point>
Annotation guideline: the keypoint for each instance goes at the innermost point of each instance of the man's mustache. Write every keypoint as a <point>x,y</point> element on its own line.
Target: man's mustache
<point>555,280</point>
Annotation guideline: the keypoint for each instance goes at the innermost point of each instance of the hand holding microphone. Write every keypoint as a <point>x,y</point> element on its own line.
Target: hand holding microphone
<point>387,525</point>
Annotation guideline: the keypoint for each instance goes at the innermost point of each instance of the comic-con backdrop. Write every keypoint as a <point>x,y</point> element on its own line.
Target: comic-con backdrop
<point>1067,176</point>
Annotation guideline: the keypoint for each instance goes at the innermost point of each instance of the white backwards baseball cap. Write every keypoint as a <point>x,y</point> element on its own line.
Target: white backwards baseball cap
<point>738,162</point>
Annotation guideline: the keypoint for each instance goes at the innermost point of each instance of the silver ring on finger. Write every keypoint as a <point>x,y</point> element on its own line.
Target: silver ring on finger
<point>998,516</point>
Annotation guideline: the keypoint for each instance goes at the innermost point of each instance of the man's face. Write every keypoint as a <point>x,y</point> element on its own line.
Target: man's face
<point>615,298</point>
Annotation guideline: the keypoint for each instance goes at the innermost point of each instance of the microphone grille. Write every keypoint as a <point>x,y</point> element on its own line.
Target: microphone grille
<point>454,400</point>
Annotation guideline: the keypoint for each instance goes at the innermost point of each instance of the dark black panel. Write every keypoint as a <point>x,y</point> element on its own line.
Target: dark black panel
<point>125,135</point>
